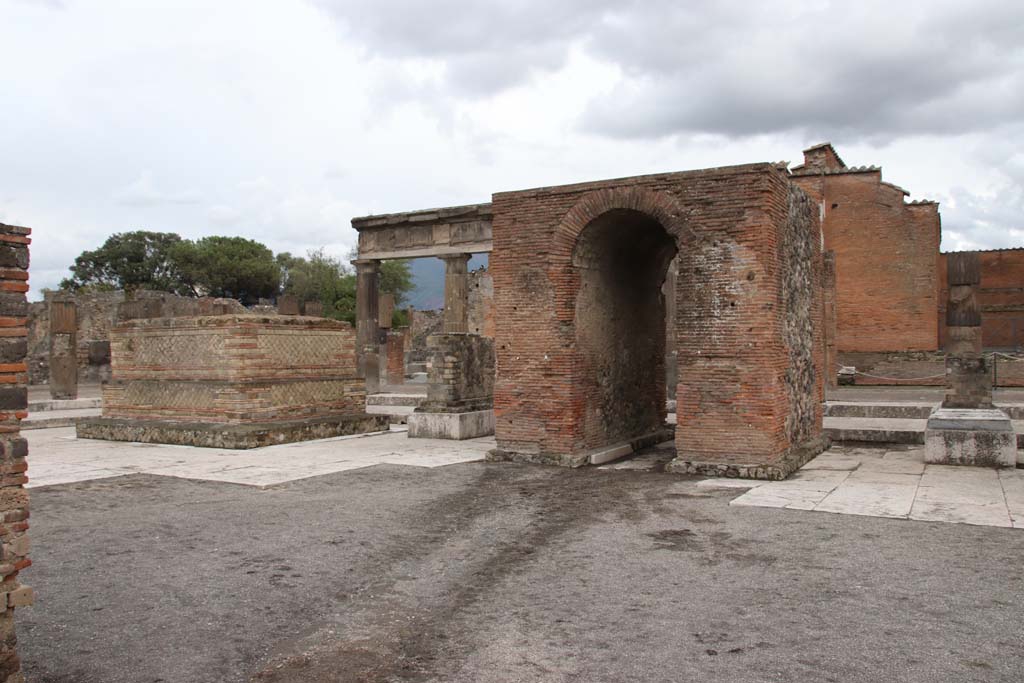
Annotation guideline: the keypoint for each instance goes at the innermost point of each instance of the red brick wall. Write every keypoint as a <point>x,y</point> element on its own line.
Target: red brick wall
<point>734,401</point>
<point>1001,297</point>
<point>14,508</point>
<point>396,342</point>
<point>886,262</point>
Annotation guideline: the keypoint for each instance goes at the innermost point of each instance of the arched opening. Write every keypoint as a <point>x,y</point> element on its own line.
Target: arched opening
<point>621,257</point>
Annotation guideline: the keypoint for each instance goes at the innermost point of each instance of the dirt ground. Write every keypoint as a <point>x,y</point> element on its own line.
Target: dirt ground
<point>490,573</point>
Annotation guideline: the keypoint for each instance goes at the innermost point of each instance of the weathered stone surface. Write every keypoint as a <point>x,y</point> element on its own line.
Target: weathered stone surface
<point>233,436</point>
<point>980,437</point>
<point>457,426</point>
<point>232,371</point>
<point>461,376</point>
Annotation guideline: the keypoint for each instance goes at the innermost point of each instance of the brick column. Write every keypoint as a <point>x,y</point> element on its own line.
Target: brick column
<point>63,350</point>
<point>367,321</point>
<point>14,243</point>
<point>456,293</point>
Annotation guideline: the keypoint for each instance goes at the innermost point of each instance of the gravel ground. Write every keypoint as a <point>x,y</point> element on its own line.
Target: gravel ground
<point>483,573</point>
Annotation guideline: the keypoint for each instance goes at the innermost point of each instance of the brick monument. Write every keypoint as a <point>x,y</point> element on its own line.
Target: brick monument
<point>232,381</point>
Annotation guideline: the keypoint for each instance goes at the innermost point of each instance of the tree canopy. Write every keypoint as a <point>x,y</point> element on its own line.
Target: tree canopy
<point>230,267</point>
<point>131,260</point>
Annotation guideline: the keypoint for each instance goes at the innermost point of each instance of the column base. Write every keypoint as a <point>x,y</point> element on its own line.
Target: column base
<point>970,436</point>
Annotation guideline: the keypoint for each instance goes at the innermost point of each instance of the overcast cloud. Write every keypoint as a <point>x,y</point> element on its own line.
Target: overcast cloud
<point>281,120</point>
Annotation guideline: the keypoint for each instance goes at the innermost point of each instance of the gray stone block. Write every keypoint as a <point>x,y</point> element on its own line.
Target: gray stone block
<point>455,426</point>
<point>979,437</point>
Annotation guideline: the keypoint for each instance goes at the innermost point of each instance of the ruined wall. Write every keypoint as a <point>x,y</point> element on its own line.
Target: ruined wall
<point>14,505</point>
<point>1000,297</point>
<point>461,376</point>
<point>422,325</point>
<point>97,313</point>
<point>233,369</point>
<point>802,326</point>
<point>733,400</point>
<point>887,287</point>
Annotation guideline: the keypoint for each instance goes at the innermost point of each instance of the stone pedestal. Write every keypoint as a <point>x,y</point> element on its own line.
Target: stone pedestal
<point>234,381</point>
<point>456,426</point>
<point>970,436</point>
<point>460,395</point>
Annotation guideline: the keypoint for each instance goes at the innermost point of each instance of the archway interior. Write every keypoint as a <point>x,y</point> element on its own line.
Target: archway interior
<point>622,257</point>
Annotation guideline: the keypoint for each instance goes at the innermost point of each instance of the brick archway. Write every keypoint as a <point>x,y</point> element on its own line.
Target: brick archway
<point>660,206</point>
<point>745,316</point>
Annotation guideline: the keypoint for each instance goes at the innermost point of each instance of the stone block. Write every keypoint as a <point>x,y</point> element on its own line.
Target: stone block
<point>981,437</point>
<point>20,597</point>
<point>455,426</point>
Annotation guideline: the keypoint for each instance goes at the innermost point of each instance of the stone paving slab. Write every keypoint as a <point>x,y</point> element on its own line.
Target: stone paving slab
<point>896,483</point>
<point>58,457</point>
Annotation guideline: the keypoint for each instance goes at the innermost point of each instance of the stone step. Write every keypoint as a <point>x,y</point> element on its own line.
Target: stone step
<point>413,368</point>
<point>64,404</point>
<point>48,419</point>
<point>888,430</point>
<point>899,410</point>
<point>394,399</point>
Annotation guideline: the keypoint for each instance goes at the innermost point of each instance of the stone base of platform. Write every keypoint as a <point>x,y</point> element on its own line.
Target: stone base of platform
<point>233,436</point>
<point>980,437</point>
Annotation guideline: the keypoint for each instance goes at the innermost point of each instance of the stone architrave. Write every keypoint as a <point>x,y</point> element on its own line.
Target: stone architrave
<point>63,350</point>
<point>967,429</point>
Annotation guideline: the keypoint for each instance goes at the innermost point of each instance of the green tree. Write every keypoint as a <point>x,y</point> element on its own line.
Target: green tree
<point>131,260</point>
<point>396,279</point>
<point>230,267</point>
<point>319,277</point>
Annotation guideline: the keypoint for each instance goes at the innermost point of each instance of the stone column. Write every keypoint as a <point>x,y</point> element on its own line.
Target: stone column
<point>968,379</point>
<point>828,317</point>
<point>456,293</point>
<point>367,321</point>
<point>63,350</point>
<point>14,505</point>
<point>967,429</point>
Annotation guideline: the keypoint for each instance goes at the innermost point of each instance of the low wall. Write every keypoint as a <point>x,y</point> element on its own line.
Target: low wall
<point>97,313</point>
<point>234,369</point>
<point>923,368</point>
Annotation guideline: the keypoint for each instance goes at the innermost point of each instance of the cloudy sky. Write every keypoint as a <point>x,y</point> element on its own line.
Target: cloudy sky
<point>279,120</point>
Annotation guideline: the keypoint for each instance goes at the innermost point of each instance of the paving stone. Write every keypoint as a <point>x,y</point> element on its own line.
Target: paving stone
<point>871,499</point>
<point>833,462</point>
